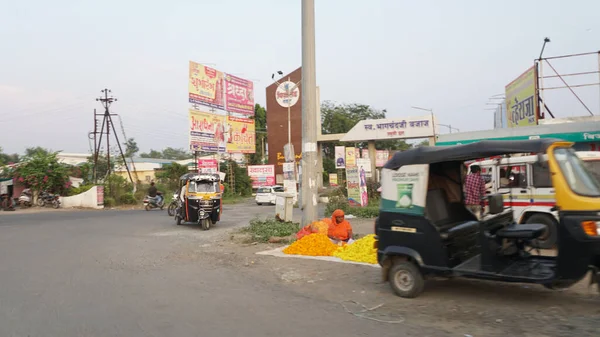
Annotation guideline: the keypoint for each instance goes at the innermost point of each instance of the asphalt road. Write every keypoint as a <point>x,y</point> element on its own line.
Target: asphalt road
<point>114,273</point>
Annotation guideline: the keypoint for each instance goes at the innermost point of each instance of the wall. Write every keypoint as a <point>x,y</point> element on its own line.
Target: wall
<point>87,199</point>
<point>141,175</point>
<point>277,124</point>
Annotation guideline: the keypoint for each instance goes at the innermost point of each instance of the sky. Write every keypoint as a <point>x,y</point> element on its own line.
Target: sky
<point>449,56</point>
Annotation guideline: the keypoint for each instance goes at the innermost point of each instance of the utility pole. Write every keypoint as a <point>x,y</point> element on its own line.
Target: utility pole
<point>309,115</point>
<point>107,120</point>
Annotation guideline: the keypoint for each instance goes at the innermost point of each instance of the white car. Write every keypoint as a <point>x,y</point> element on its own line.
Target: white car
<point>266,195</point>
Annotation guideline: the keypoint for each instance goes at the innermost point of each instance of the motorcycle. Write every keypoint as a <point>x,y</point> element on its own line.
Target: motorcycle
<point>174,204</point>
<point>48,198</point>
<point>150,202</point>
<point>26,198</point>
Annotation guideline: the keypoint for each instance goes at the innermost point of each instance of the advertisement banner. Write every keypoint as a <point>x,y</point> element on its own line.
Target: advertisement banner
<point>365,153</point>
<point>350,157</point>
<point>333,180</point>
<point>208,166</point>
<point>205,86</point>
<point>364,164</point>
<point>100,195</point>
<point>206,132</point>
<point>239,95</point>
<point>288,171</point>
<point>261,175</point>
<point>405,189</point>
<point>340,157</point>
<point>240,135</point>
<point>353,186</point>
<point>362,174</point>
<point>522,100</point>
<point>381,157</point>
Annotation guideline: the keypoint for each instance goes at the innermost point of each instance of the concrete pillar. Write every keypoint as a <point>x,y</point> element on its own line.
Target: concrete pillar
<point>319,165</point>
<point>373,159</point>
<point>432,141</point>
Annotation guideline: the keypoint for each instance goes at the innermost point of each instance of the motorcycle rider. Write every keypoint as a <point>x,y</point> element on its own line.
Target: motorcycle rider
<point>153,193</point>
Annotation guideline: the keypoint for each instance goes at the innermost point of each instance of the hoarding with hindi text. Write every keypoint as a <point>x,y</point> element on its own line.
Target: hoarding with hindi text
<point>240,135</point>
<point>261,175</point>
<point>239,95</point>
<point>206,132</point>
<point>205,86</point>
<point>522,100</point>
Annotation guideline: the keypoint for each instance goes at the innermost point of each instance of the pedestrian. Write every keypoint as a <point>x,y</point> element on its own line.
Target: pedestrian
<point>475,191</point>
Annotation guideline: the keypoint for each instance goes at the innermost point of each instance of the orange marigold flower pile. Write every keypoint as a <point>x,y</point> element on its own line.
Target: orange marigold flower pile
<point>312,245</point>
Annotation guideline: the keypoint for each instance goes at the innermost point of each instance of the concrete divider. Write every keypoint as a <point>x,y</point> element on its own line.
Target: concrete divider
<point>93,198</point>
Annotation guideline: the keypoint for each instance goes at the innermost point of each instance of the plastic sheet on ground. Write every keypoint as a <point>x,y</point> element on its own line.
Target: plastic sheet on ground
<point>278,252</point>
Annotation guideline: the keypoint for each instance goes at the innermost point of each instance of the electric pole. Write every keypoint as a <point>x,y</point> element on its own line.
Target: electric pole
<point>107,120</point>
<point>309,115</point>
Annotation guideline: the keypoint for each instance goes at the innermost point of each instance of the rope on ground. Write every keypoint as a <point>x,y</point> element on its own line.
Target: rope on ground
<point>360,314</point>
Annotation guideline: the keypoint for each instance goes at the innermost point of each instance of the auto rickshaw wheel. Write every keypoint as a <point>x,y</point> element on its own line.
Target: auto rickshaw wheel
<point>548,239</point>
<point>406,279</point>
<point>559,285</point>
<point>206,224</point>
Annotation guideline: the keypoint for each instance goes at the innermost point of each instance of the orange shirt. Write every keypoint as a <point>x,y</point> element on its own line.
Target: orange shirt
<point>340,230</point>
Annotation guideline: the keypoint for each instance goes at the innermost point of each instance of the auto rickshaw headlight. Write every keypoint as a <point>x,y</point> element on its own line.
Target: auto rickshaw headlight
<point>591,228</point>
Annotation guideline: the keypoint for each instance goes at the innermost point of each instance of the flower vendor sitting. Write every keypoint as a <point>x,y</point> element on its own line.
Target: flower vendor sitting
<point>339,228</point>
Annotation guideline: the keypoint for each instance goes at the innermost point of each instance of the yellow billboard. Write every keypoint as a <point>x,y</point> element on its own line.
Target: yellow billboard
<point>240,135</point>
<point>205,86</point>
<point>350,157</point>
<point>522,100</point>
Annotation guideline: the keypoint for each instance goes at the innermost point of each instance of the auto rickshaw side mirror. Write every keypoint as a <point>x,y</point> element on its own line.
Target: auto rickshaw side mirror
<point>496,203</point>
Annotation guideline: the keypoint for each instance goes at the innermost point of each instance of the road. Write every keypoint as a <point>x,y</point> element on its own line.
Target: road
<point>121,273</point>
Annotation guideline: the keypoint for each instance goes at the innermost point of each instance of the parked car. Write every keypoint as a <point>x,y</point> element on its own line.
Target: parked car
<point>266,195</point>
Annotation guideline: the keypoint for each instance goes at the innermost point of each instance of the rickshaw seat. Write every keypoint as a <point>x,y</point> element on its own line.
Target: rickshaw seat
<point>523,231</point>
<point>440,212</point>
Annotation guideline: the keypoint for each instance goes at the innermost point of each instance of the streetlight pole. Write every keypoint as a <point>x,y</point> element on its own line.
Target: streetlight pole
<point>449,127</point>
<point>309,114</point>
<point>432,139</point>
<point>288,92</point>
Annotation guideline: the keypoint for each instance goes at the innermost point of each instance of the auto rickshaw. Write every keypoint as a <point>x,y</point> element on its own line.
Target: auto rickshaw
<point>201,200</point>
<point>425,230</point>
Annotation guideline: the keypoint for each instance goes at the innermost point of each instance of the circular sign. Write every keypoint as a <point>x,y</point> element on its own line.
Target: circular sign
<point>287,94</point>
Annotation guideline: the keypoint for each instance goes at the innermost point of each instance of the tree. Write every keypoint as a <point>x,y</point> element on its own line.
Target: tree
<point>41,171</point>
<point>131,148</point>
<point>170,174</point>
<point>6,158</point>
<point>340,118</point>
<point>168,153</point>
<point>424,142</point>
<point>152,154</point>
<point>260,124</point>
<point>32,151</point>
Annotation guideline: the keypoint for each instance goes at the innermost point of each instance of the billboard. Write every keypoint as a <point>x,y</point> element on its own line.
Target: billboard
<point>396,128</point>
<point>261,175</point>
<point>205,86</point>
<point>208,166</point>
<point>340,157</point>
<point>350,157</point>
<point>239,95</point>
<point>381,157</point>
<point>333,179</point>
<point>240,135</point>
<point>353,186</point>
<point>522,100</point>
<point>206,132</point>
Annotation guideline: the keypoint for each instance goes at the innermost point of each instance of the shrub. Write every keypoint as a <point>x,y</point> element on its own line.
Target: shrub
<point>127,199</point>
<point>109,202</point>
<point>78,190</point>
<point>262,230</point>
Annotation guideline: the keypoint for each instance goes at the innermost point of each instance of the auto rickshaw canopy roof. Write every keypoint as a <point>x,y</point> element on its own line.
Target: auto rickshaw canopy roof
<point>482,149</point>
<point>201,176</point>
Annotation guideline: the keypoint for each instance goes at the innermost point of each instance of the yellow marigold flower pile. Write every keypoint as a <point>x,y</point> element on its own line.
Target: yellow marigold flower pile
<point>312,245</point>
<point>320,227</point>
<point>361,250</point>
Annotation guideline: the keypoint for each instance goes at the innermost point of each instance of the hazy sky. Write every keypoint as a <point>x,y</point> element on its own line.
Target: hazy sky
<point>447,55</point>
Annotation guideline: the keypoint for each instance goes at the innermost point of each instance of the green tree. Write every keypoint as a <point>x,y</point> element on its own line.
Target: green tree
<point>243,183</point>
<point>260,123</point>
<point>424,142</point>
<point>340,118</point>
<point>152,154</point>
<point>41,171</point>
<point>32,151</point>
<point>170,174</point>
<point>131,148</point>
<point>176,154</point>
<point>6,158</point>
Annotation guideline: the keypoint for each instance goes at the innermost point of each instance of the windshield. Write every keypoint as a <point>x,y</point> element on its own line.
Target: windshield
<point>577,175</point>
<point>264,190</point>
<point>202,187</point>
<point>278,189</point>
<point>594,167</point>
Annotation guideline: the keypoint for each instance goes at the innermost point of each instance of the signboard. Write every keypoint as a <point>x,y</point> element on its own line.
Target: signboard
<point>240,135</point>
<point>261,175</point>
<point>239,95</point>
<point>288,171</point>
<point>405,189</point>
<point>340,157</point>
<point>365,153</point>
<point>384,129</point>
<point>100,195</point>
<point>333,180</point>
<point>353,186</point>
<point>208,166</point>
<point>206,132</point>
<point>522,100</point>
<point>364,164</point>
<point>350,157</point>
<point>287,94</point>
<point>381,157</point>
<point>364,195</point>
<point>205,86</point>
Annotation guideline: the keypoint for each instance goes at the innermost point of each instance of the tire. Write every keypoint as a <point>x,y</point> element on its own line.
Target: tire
<point>548,239</point>
<point>41,202</point>
<point>162,206</point>
<point>406,279</point>
<point>178,221</point>
<point>259,204</point>
<point>147,207</point>
<point>56,204</point>
<point>206,224</point>
<point>171,209</point>
<point>559,285</point>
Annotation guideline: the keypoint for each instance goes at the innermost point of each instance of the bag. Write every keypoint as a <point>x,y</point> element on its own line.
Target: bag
<point>303,232</point>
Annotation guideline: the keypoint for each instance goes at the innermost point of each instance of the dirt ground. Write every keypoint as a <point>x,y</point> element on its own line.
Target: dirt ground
<point>457,307</point>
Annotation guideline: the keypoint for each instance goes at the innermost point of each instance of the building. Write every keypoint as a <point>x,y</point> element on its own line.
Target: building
<point>144,169</point>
